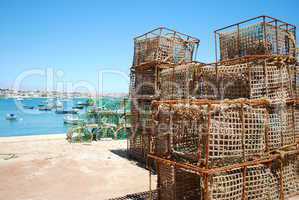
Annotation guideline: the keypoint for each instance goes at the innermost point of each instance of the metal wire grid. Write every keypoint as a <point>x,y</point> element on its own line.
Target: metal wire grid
<point>165,46</point>
<point>256,39</point>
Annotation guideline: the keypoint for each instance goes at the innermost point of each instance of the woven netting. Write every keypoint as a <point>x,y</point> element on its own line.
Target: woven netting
<point>251,41</point>
<point>255,79</point>
<point>141,111</point>
<point>136,141</point>
<point>272,78</point>
<point>177,184</point>
<point>290,176</point>
<point>163,49</point>
<point>297,79</point>
<point>176,83</point>
<point>260,184</point>
<point>297,121</point>
<point>136,145</point>
<point>281,126</point>
<point>145,82</point>
<point>139,196</point>
<point>227,186</point>
<point>166,181</point>
<point>236,133</point>
<point>187,128</point>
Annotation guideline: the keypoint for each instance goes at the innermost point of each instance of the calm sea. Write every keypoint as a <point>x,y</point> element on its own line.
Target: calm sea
<point>31,122</point>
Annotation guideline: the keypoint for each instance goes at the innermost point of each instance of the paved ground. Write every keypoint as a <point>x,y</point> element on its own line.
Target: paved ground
<point>47,168</point>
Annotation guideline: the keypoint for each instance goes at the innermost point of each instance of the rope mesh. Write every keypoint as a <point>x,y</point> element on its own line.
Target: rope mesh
<point>227,186</point>
<point>236,133</point>
<point>177,184</point>
<point>290,176</point>
<point>255,79</point>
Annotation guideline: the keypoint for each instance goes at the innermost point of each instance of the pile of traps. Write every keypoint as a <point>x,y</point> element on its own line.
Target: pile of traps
<point>158,49</point>
<point>227,130</point>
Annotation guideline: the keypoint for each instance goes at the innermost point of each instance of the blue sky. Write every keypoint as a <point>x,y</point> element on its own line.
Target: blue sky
<point>82,37</point>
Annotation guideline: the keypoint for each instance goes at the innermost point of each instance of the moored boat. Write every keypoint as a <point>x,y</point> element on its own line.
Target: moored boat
<point>71,119</point>
<point>11,116</point>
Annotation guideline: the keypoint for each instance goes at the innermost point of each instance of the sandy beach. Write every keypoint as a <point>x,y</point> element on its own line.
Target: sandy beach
<point>48,167</point>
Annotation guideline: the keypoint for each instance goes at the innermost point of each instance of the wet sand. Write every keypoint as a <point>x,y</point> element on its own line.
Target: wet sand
<point>48,167</point>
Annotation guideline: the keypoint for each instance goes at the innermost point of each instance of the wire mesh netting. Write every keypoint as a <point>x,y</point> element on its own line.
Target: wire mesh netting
<point>258,37</point>
<point>164,46</point>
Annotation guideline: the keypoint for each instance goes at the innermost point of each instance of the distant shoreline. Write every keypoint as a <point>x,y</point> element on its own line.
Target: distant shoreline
<point>32,137</point>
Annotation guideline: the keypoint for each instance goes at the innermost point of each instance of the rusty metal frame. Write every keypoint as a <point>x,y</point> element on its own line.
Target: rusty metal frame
<point>259,19</point>
<point>164,31</point>
<point>211,103</point>
<point>206,173</point>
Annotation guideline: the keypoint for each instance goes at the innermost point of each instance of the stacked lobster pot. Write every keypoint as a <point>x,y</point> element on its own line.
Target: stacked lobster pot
<point>227,130</point>
<point>153,51</point>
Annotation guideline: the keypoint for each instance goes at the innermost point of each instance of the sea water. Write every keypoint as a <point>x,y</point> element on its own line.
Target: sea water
<point>31,122</point>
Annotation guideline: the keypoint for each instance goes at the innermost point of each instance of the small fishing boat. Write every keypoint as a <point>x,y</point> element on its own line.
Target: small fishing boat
<point>44,109</point>
<point>28,107</point>
<point>80,103</point>
<point>60,112</point>
<point>66,112</point>
<point>19,99</point>
<point>71,119</point>
<point>76,110</point>
<point>78,107</point>
<point>59,104</point>
<point>11,117</point>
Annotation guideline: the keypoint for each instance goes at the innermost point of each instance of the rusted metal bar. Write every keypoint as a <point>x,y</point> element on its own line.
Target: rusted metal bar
<point>242,22</point>
<point>150,179</point>
<point>244,193</point>
<point>252,19</point>
<point>247,58</point>
<point>276,35</point>
<point>196,40</point>
<point>281,181</point>
<point>202,170</point>
<point>208,138</point>
<point>243,130</point>
<point>254,102</point>
<point>206,187</point>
